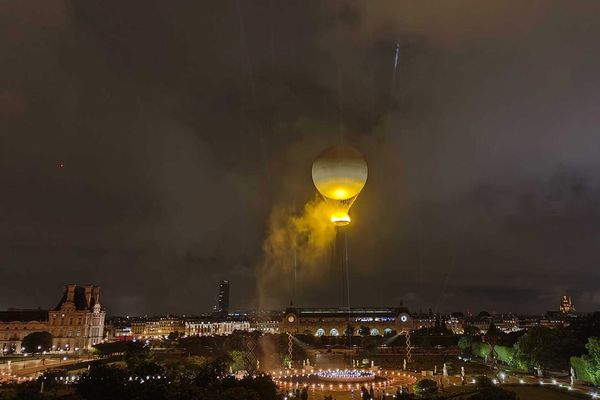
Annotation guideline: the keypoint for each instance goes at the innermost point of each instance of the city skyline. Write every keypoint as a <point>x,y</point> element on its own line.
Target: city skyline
<point>144,153</point>
<point>221,309</point>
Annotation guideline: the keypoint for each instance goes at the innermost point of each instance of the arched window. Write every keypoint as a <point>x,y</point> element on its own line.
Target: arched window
<point>334,332</point>
<point>320,332</point>
<point>374,332</point>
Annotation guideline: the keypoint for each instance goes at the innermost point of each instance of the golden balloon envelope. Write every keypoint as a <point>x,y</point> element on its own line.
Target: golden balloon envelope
<point>339,174</point>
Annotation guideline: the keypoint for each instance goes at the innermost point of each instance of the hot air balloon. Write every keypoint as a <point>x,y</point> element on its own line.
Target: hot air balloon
<point>339,174</point>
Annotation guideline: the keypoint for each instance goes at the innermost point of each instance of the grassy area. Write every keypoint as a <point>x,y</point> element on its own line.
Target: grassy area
<point>429,363</point>
<point>544,393</point>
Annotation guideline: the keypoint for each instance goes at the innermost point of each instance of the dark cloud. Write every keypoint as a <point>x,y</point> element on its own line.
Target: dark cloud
<point>181,126</point>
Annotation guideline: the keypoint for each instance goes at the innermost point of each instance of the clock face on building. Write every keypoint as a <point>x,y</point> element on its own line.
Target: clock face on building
<point>404,318</point>
<point>291,318</point>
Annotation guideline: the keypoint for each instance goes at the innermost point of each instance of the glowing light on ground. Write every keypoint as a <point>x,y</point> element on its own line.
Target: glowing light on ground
<point>346,375</point>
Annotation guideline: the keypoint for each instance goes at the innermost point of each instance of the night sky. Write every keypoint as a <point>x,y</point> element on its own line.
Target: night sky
<point>146,145</point>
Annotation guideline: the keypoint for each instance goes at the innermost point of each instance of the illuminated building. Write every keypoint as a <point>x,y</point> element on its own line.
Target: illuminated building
<point>157,328</point>
<point>566,306</point>
<point>16,324</point>
<point>334,321</point>
<point>211,328</point>
<point>266,321</point>
<point>454,325</point>
<point>77,322</point>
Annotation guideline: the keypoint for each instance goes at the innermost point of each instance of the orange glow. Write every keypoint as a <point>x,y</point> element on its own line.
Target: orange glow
<point>340,194</point>
<point>340,218</point>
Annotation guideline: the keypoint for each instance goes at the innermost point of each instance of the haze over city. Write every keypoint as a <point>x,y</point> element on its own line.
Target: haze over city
<point>154,150</point>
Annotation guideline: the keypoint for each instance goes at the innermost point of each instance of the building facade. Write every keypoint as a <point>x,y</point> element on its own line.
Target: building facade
<point>566,305</point>
<point>77,322</point>
<point>157,328</point>
<point>335,321</point>
<point>16,324</point>
<point>211,328</point>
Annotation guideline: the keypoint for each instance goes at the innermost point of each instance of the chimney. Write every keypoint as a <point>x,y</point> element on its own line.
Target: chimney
<point>70,293</point>
<point>88,295</point>
<point>96,294</point>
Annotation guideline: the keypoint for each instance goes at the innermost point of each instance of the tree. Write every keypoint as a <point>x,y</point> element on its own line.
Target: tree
<point>425,388</point>
<point>239,393</point>
<point>137,353</point>
<point>145,380</point>
<point>494,331</point>
<point>235,342</point>
<point>304,394</point>
<point>349,331</point>
<point>211,372</point>
<point>465,343</point>
<point>593,359</point>
<point>110,348</point>
<point>586,327</point>
<point>587,367</point>
<point>51,379</point>
<point>28,393</point>
<point>263,386</point>
<point>483,382</point>
<point>545,348</point>
<point>37,342</point>
<point>369,343</point>
<point>471,330</point>
<point>236,360</point>
<point>104,382</point>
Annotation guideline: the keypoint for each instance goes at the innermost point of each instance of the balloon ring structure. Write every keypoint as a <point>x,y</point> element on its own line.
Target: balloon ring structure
<point>339,174</point>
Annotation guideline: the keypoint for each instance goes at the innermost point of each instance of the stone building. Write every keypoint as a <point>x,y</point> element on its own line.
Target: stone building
<point>334,321</point>
<point>211,328</point>
<point>157,328</point>
<point>77,322</point>
<point>16,324</point>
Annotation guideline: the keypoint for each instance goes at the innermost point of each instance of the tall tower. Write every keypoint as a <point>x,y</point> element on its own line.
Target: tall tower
<point>223,301</point>
<point>566,306</point>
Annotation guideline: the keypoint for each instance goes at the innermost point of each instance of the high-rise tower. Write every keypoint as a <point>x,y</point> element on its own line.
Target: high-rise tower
<point>223,301</point>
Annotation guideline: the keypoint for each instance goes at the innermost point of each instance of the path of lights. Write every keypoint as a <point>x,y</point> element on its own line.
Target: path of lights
<point>346,375</point>
<point>295,379</point>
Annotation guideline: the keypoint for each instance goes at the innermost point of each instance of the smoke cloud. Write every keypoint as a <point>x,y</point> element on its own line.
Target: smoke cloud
<point>298,245</point>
